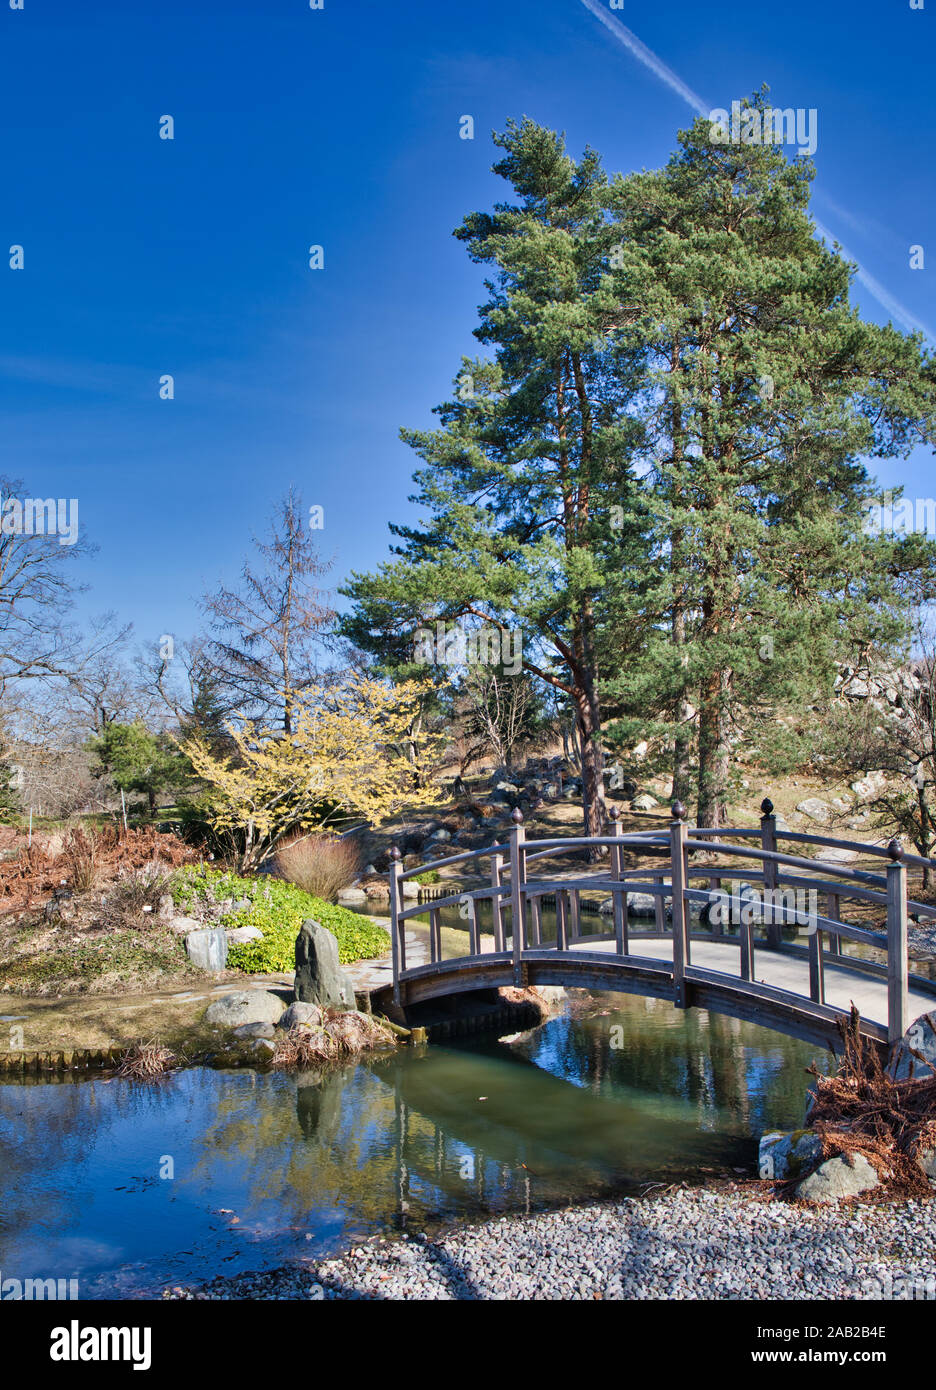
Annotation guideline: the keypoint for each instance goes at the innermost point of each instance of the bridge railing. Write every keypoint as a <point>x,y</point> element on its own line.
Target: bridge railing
<point>669,883</point>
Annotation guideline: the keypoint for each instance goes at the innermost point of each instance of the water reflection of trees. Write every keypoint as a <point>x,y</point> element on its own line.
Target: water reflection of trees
<point>719,1065</point>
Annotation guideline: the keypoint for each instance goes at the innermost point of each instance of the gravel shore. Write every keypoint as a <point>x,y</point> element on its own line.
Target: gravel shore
<point>687,1243</point>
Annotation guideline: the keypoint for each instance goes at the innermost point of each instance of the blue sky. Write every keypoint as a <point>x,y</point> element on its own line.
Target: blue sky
<point>340,127</point>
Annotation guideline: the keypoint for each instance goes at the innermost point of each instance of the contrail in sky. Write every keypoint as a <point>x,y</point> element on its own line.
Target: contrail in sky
<point>702,108</point>
<point>649,59</point>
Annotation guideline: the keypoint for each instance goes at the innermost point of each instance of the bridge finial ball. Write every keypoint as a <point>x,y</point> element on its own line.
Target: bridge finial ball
<point>614,812</point>
<point>517,816</point>
<point>679,811</point>
<point>896,851</point>
<point>395,854</point>
<point>767,806</point>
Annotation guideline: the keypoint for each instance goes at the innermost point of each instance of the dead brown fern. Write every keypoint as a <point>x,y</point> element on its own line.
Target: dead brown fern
<point>89,855</point>
<point>861,1109</point>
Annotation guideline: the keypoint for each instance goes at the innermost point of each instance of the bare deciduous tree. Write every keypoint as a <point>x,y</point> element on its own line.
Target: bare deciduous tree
<point>500,713</point>
<point>267,632</point>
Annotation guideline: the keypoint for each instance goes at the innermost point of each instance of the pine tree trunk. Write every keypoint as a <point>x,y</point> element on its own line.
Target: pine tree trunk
<point>589,728</point>
<point>682,786</point>
<point>714,750</point>
<point>682,772</point>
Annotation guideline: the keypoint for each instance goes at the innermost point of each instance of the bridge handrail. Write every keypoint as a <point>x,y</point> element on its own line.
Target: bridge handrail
<point>796,861</point>
<point>454,859</point>
<point>859,845</point>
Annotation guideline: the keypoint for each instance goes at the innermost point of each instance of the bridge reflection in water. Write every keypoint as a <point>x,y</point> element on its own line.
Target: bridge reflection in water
<point>803,990</point>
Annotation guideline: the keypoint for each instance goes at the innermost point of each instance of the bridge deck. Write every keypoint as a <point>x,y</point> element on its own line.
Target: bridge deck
<point>843,986</point>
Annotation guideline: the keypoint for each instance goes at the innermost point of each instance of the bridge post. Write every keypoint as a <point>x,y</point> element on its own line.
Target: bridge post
<point>678,876</point>
<point>619,900</point>
<point>396,906</point>
<point>517,895</point>
<point>768,828</point>
<point>497,864</point>
<point>897,983</point>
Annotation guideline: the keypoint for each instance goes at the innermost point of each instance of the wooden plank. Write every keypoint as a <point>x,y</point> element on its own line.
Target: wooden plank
<point>575,914</point>
<point>659,910</point>
<point>746,936</point>
<point>833,910</point>
<point>474,935</point>
<point>816,969</point>
<point>561,920</point>
<point>536,925</point>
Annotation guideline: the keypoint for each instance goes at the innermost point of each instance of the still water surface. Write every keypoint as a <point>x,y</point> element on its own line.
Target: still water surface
<point>270,1167</point>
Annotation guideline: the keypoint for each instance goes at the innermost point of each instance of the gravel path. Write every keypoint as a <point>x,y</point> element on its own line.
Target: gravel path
<point>688,1243</point>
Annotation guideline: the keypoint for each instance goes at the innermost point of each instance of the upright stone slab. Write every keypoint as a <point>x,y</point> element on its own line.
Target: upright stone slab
<point>319,977</point>
<point>207,948</point>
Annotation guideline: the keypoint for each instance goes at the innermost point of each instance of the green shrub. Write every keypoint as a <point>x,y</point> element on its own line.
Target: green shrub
<point>278,909</point>
<point>428,876</point>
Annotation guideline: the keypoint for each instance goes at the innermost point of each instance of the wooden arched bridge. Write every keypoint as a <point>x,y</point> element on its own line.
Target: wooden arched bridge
<point>745,966</point>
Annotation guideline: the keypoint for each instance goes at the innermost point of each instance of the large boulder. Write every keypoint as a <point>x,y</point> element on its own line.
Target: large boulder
<point>207,948</point>
<point>913,1058</point>
<point>240,935</point>
<point>644,802</point>
<point>254,1030</point>
<point>354,895</point>
<point>319,977</point>
<point>846,1176</point>
<point>183,925</point>
<point>787,1155</point>
<point>245,1006</point>
<point>816,809</point>
<point>638,905</point>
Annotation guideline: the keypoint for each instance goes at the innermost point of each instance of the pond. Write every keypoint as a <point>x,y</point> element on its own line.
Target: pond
<point>128,1186</point>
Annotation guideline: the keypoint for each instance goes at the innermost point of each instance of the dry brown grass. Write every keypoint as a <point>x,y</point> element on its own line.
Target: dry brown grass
<point>339,1035</point>
<point>145,1061</point>
<point>319,864</point>
<point>81,858</point>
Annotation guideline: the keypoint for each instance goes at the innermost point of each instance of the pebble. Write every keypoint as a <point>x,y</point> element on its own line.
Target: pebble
<point>687,1243</point>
